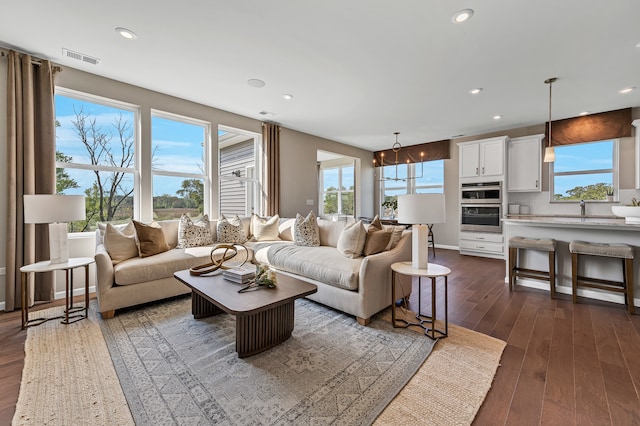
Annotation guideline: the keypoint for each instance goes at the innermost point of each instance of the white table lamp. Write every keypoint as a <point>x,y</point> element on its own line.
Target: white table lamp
<point>420,210</point>
<point>55,210</point>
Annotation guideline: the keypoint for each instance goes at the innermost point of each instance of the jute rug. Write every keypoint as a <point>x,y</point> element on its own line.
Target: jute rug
<point>448,389</point>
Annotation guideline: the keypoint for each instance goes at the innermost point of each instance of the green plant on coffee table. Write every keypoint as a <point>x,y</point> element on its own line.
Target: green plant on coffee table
<point>265,276</point>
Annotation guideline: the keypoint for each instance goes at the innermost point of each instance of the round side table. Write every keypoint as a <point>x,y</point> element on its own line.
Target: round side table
<point>427,322</point>
<point>68,267</point>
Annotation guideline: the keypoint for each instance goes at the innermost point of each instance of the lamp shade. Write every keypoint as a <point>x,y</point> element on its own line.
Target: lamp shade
<point>52,208</point>
<point>421,209</point>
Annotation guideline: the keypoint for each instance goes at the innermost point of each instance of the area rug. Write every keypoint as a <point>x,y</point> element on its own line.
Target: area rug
<point>178,370</point>
<point>61,388</point>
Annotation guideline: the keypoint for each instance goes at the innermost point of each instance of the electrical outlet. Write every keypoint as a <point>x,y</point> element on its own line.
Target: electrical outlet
<point>309,202</point>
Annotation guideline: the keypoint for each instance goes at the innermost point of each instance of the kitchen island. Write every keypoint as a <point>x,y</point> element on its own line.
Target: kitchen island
<point>564,229</point>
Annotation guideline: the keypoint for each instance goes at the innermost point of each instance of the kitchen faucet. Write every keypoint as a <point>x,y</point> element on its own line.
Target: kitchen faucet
<point>582,207</point>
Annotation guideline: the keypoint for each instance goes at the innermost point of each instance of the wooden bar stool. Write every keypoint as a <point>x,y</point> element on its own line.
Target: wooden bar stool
<point>540,244</point>
<point>620,251</point>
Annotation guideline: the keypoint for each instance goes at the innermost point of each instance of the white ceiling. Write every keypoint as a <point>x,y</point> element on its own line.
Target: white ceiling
<point>358,69</point>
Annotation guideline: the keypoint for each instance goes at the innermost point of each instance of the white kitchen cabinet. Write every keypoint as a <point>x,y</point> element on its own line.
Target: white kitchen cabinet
<point>483,244</point>
<point>483,158</point>
<point>524,161</point>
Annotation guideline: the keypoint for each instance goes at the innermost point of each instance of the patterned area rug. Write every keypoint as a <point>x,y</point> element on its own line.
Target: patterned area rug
<point>178,370</point>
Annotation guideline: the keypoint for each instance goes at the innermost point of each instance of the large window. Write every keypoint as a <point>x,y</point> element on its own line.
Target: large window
<point>96,155</point>
<point>415,178</point>
<point>338,190</point>
<point>586,171</point>
<point>179,147</point>
<point>240,183</point>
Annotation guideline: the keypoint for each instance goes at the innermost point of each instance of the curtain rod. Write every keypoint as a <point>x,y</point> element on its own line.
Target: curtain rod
<point>4,52</point>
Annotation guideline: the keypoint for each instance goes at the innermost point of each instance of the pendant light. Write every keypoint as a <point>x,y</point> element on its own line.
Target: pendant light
<point>396,150</point>
<point>549,152</point>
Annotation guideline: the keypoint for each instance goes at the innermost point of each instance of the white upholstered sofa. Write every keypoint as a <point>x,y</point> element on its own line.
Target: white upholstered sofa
<point>358,286</point>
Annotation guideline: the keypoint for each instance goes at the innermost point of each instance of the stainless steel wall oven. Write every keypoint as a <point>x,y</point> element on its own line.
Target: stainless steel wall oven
<point>481,207</point>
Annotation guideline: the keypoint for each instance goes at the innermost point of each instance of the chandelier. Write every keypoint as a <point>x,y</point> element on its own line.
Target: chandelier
<point>396,149</point>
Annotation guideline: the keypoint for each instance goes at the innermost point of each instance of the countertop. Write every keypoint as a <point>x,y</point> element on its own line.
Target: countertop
<point>610,222</point>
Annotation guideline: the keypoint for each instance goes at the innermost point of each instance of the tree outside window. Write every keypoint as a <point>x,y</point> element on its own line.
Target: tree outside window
<point>338,194</point>
<point>586,171</point>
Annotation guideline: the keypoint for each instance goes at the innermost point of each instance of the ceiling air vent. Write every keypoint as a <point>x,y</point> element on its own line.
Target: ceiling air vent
<point>266,114</point>
<point>80,56</point>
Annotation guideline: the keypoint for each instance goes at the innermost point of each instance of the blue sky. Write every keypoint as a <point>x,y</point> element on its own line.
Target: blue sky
<point>590,156</point>
<point>178,145</point>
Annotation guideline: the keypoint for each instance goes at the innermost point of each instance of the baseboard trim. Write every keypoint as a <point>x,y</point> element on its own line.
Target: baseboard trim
<point>582,292</point>
<point>76,292</point>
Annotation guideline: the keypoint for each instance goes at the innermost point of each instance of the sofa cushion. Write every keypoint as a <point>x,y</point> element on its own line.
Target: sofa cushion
<point>377,237</point>
<point>305,230</point>
<point>352,239</point>
<point>330,231</point>
<point>194,234</point>
<point>150,239</point>
<point>120,243</point>
<point>396,234</point>
<point>265,229</point>
<point>231,230</point>
<point>160,266</point>
<point>323,263</point>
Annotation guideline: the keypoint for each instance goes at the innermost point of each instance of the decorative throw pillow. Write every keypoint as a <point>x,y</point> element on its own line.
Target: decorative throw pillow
<point>150,239</point>
<point>120,244</point>
<point>194,234</point>
<point>396,234</point>
<point>264,229</point>
<point>377,237</point>
<point>231,230</point>
<point>352,240</point>
<point>305,230</point>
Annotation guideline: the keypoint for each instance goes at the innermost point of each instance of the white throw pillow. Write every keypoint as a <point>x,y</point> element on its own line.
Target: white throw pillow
<point>264,229</point>
<point>120,244</point>
<point>352,239</point>
<point>194,234</point>
<point>231,230</point>
<point>305,231</point>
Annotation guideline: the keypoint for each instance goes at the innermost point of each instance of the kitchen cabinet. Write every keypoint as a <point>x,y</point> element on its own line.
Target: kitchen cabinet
<point>483,244</point>
<point>483,158</point>
<point>524,161</point>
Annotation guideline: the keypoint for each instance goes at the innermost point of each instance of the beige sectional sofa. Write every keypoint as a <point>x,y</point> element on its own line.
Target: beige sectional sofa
<point>358,286</point>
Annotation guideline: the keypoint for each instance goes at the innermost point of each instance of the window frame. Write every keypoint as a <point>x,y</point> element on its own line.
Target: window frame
<point>615,170</point>
<point>339,191</point>
<point>136,133</point>
<point>256,180</point>
<point>206,154</point>
<point>411,186</point>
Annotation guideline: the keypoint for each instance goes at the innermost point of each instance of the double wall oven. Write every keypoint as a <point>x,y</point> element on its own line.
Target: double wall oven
<point>481,206</point>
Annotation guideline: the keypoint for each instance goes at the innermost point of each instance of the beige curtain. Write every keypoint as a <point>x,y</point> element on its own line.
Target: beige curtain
<point>30,170</point>
<point>271,180</point>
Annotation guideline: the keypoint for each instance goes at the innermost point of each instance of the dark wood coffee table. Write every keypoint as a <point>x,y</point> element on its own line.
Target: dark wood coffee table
<point>264,316</point>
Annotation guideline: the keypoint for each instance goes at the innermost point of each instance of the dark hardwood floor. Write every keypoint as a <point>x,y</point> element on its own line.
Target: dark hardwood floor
<point>564,364</point>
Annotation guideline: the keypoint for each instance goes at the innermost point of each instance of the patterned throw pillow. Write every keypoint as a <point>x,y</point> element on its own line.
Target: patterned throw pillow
<point>194,234</point>
<point>231,230</point>
<point>305,231</point>
<point>352,239</point>
<point>378,238</point>
<point>264,229</point>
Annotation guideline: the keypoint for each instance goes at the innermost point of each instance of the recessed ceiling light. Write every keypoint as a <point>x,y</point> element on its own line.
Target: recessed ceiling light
<point>638,45</point>
<point>584,113</point>
<point>254,82</point>
<point>461,16</point>
<point>475,91</point>
<point>497,117</point>
<point>128,34</point>
<point>626,90</point>
<point>287,96</point>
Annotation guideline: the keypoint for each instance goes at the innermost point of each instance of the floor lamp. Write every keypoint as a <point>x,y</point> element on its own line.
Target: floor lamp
<point>55,210</point>
<point>420,210</point>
